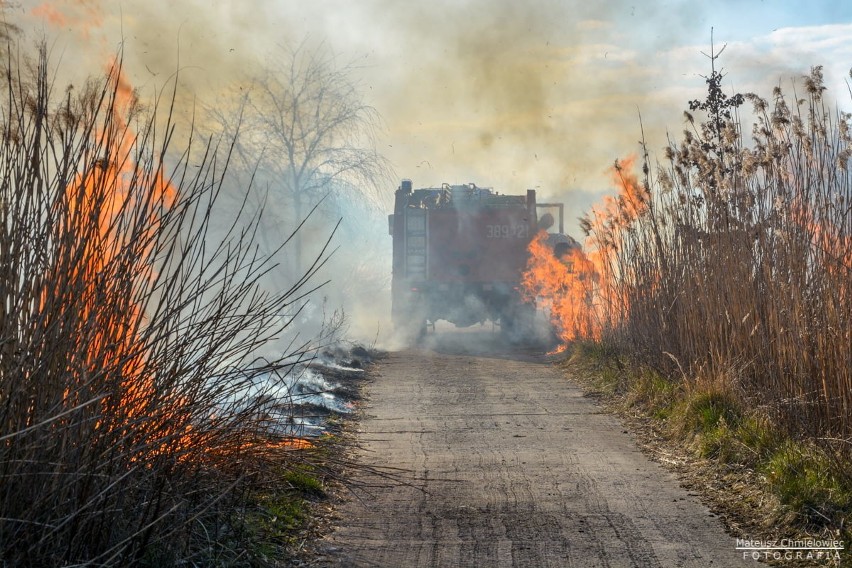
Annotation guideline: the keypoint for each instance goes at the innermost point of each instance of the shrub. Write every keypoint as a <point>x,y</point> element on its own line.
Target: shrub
<point>133,409</point>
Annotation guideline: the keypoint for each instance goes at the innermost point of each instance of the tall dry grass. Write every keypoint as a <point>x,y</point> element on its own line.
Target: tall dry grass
<point>133,411</point>
<point>731,260</point>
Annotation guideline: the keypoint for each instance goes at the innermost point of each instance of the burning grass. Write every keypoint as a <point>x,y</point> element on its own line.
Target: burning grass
<point>727,269</point>
<point>734,260</point>
<point>133,407</point>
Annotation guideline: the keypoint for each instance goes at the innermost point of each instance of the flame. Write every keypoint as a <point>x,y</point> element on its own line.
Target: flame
<point>565,286</point>
<point>103,192</point>
<point>825,237</point>
<point>80,16</point>
<point>617,213</point>
<point>50,14</point>
<point>292,444</point>
<point>102,201</point>
<point>580,289</point>
<point>100,207</point>
<point>633,198</point>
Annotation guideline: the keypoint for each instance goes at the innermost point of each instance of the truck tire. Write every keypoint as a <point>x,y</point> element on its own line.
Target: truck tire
<point>517,322</point>
<point>411,328</point>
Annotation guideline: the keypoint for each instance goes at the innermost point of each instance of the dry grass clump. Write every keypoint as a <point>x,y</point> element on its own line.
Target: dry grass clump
<point>737,263</point>
<point>134,415</point>
<point>725,274</point>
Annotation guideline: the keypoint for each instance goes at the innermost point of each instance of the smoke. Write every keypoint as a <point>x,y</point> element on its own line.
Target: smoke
<point>512,95</point>
<point>539,95</point>
<point>493,96</point>
<point>543,94</point>
<point>503,94</point>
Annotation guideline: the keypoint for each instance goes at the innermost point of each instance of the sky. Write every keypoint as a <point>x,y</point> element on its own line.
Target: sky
<point>543,94</point>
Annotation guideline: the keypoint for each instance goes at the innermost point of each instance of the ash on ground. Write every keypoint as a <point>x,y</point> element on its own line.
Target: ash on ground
<point>319,389</point>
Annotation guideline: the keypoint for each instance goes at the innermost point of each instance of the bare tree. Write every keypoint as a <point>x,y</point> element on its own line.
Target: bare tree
<point>308,131</point>
<point>136,416</point>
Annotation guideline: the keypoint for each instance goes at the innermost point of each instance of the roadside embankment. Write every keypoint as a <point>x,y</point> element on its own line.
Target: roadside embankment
<point>767,487</point>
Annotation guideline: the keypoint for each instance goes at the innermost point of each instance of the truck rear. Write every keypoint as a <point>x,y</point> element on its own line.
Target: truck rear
<point>458,255</point>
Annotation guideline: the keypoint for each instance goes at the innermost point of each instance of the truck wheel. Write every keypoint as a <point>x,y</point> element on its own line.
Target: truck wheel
<point>412,330</point>
<point>517,323</point>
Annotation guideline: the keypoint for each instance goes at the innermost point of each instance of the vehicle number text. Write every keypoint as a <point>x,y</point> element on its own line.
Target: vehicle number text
<point>519,231</point>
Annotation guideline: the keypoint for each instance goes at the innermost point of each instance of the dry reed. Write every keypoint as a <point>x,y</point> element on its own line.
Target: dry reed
<point>133,415</point>
<point>737,263</point>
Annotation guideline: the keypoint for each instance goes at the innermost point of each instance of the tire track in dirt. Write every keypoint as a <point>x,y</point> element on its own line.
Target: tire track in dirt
<point>509,465</point>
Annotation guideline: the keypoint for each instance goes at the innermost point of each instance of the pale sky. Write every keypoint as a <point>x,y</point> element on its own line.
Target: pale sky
<point>541,94</point>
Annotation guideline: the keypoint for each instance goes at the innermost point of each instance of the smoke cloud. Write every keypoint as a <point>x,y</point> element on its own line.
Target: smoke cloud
<point>513,95</point>
<point>544,94</point>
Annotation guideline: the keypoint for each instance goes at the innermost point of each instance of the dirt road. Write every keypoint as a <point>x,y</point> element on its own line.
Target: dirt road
<point>509,465</point>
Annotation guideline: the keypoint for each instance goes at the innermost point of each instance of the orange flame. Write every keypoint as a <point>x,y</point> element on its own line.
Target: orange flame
<point>103,192</point>
<point>106,191</point>
<point>825,238</point>
<point>566,286</point>
<point>580,288</point>
<point>81,16</point>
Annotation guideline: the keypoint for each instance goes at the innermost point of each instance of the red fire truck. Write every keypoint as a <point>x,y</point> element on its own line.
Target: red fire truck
<point>458,255</point>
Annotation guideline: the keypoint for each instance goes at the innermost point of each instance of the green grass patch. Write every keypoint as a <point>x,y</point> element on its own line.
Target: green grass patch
<point>713,422</point>
<point>593,351</point>
<point>281,512</point>
<point>718,427</point>
<point>709,420</point>
<point>278,515</point>
<point>305,482</point>
<point>599,365</point>
<point>757,438</point>
<point>705,411</point>
<point>808,483</point>
<point>652,392</point>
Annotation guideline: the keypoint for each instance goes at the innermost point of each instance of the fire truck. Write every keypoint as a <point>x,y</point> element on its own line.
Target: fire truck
<point>459,252</point>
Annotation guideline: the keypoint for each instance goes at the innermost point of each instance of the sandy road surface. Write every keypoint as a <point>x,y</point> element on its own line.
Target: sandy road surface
<point>509,465</point>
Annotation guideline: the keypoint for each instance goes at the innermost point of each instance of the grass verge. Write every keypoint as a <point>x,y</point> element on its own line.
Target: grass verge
<point>762,483</point>
<point>284,517</point>
<point>279,518</point>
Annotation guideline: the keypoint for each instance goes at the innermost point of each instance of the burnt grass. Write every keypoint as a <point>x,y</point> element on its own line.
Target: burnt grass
<point>347,369</point>
<point>346,372</point>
